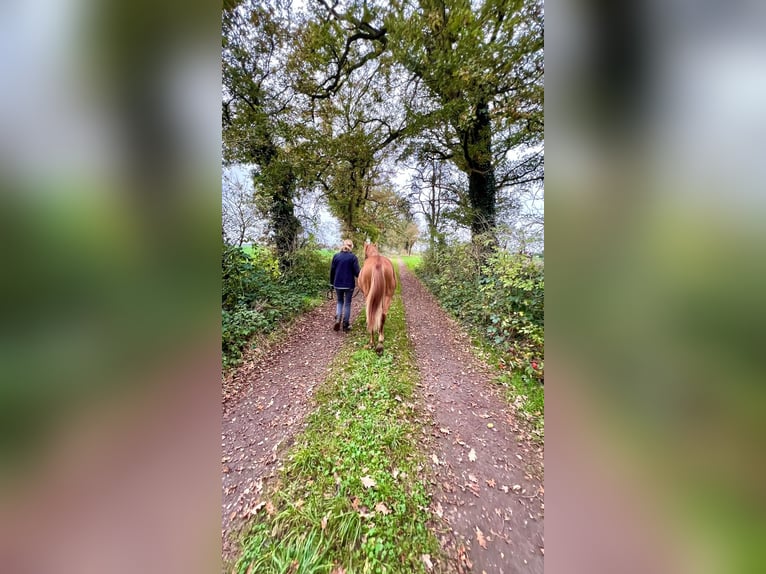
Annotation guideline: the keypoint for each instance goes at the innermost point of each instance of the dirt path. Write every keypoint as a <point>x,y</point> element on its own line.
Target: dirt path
<point>488,485</point>
<point>262,415</point>
<point>499,494</point>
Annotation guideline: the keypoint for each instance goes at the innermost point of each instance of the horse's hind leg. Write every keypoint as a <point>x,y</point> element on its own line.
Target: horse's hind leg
<point>379,348</point>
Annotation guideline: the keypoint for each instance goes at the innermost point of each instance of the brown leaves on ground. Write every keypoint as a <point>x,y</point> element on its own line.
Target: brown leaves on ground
<point>368,482</point>
<point>463,559</point>
<point>255,508</point>
<point>480,538</point>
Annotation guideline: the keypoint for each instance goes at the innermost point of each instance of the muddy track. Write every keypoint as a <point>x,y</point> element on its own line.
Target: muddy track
<point>272,399</point>
<point>487,484</point>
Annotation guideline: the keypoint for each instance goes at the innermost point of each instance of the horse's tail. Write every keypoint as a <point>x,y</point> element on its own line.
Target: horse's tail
<point>375,298</point>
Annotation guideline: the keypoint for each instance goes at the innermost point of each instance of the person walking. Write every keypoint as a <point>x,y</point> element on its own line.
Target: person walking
<point>343,273</point>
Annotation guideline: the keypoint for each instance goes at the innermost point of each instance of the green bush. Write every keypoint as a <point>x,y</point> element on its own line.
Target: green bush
<point>257,295</point>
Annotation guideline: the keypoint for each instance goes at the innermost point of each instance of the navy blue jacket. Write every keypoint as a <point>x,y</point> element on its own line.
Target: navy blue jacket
<point>344,269</point>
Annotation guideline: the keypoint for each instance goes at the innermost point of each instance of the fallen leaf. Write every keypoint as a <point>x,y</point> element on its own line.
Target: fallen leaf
<point>438,510</point>
<point>516,487</point>
<point>368,482</point>
<point>490,482</point>
<point>504,488</point>
<point>444,430</point>
<point>472,456</point>
<point>480,538</point>
<point>435,459</point>
<point>355,503</point>
<point>463,557</point>
<point>472,478</point>
<point>324,522</point>
<point>254,509</point>
<point>426,558</point>
<point>270,510</point>
<point>380,507</point>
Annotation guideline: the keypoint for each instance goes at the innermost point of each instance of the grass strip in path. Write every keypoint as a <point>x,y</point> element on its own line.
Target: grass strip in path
<point>349,498</point>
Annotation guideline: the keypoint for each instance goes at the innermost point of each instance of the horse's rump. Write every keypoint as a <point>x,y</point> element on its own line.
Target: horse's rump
<point>378,283</point>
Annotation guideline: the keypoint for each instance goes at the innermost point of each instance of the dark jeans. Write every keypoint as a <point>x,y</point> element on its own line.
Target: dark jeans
<point>344,305</point>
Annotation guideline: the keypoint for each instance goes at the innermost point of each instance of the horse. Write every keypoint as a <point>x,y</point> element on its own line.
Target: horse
<point>377,281</point>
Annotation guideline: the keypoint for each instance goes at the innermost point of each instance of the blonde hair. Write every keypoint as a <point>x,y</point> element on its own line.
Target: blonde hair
<point>348,245</point>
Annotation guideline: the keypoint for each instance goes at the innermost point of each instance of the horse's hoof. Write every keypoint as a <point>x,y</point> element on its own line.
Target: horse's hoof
<point>379,349</point>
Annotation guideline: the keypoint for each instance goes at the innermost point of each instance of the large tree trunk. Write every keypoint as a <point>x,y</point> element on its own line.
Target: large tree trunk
<point>284,224</point>
<point>481,175</point>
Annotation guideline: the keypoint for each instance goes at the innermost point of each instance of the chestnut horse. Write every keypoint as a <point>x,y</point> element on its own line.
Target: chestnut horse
<point>378,283</point>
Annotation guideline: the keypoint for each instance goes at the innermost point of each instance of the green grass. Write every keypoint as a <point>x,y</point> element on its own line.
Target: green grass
<point>321,515</point>
<point>412,261</point>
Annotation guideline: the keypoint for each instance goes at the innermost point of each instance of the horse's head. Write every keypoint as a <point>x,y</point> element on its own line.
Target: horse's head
<point>370,250</point>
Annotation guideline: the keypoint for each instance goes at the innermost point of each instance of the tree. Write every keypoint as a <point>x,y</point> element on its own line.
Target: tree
<point>474,92</point>
<point>256,111</point>
<point>354,119</point>
<point>240,219</point>
<point>411,235</point>
<point>482,66</point>
<point>431,190</point>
